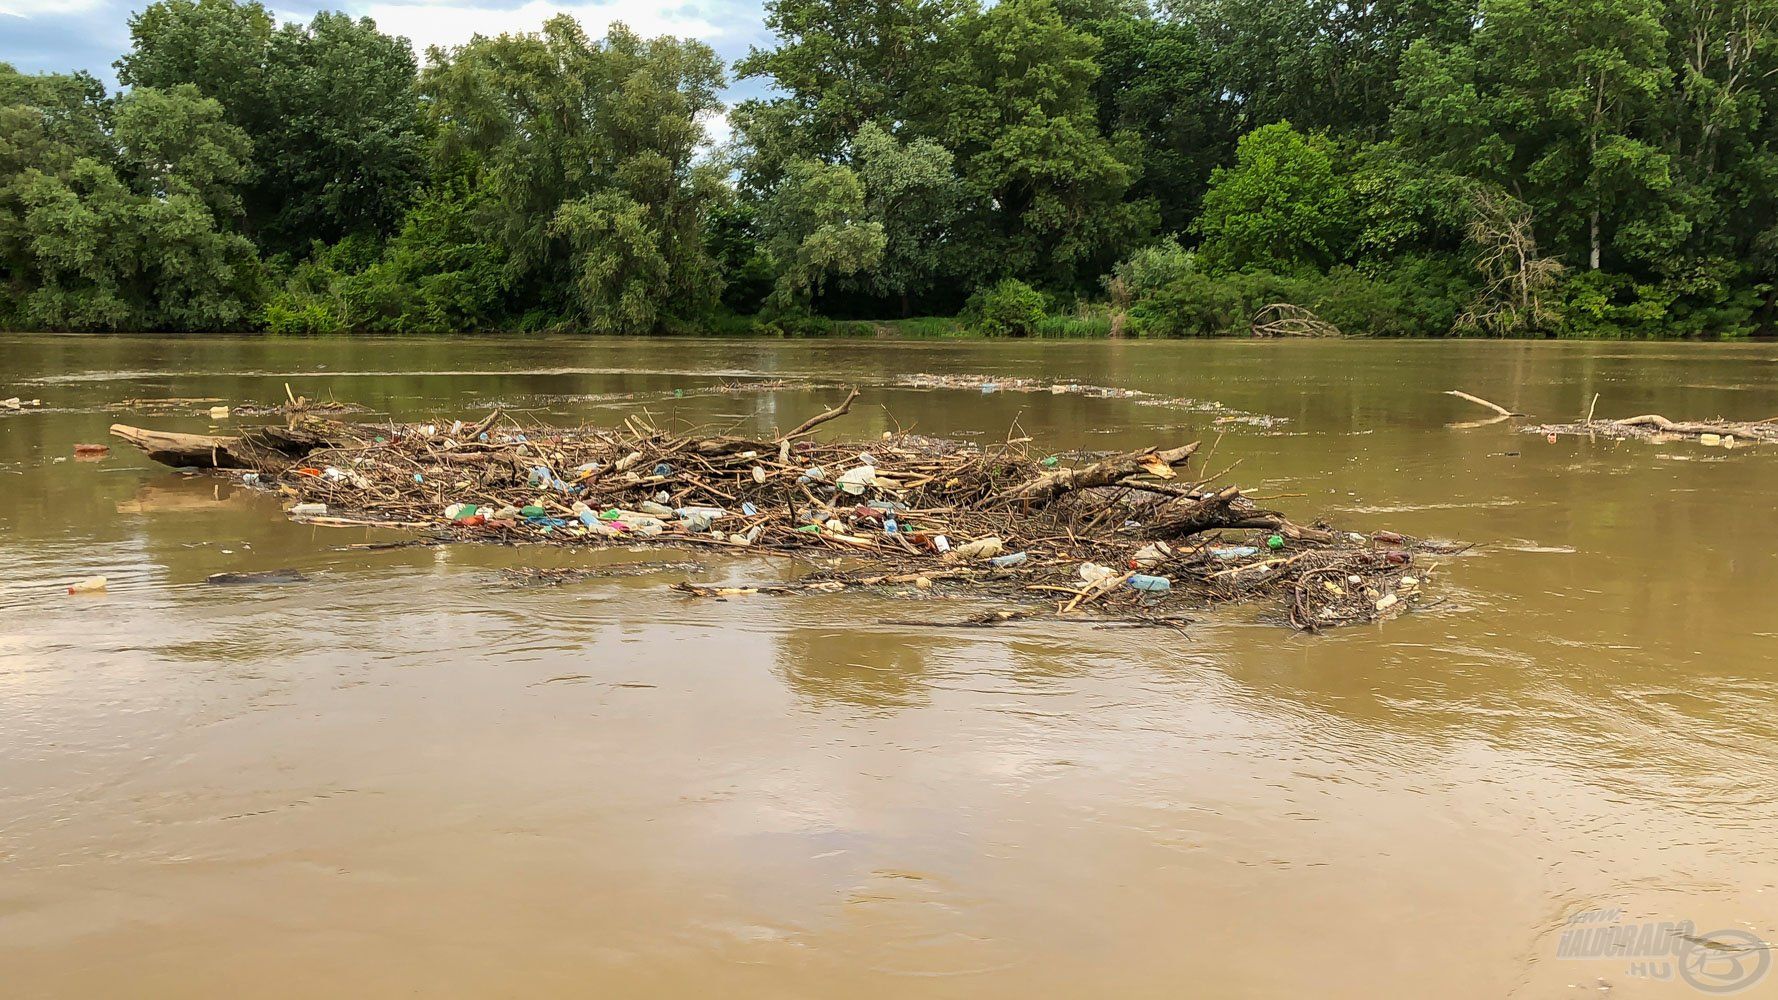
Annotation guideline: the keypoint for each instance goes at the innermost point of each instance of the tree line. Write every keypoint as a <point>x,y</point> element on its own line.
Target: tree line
<point>1395,167</point>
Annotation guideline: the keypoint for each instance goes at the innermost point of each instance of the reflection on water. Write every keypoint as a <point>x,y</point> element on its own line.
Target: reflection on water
<point>405,776</point>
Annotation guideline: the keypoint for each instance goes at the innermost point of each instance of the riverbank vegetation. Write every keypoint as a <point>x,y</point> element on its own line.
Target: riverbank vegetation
<point>1584,168</point>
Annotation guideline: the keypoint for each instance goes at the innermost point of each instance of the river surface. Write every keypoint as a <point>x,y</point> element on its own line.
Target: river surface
<point>407,777</point>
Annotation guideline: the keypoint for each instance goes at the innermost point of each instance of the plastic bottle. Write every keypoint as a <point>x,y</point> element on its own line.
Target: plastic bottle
<point>1151,584</point>
<point>309,510</point>
<point>1234,552</point>
<point>1150,556</point>
<point>1010,559</point>
<point>856,479</point>
<point>889,526</point>
<point>90,585</point>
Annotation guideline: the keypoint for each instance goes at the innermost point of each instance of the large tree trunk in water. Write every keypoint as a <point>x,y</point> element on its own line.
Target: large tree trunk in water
<point>184,451</point>
<point>269,449</point>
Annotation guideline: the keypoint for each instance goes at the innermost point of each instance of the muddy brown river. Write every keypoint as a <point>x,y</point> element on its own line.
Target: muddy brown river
<point>406,777</point>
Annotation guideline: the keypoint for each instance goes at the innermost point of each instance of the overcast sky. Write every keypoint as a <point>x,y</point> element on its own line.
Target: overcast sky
<point>44,35</point>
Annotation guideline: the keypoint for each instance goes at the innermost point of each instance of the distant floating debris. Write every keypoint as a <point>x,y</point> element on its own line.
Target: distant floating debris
<point>989,384</point>
<point>1653,427</point>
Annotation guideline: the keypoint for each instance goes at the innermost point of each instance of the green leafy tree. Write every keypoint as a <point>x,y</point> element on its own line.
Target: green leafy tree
<point>1148,270</point>
<point>331,109</point>
<point>815,228</point>
<point>839,64</point>
<point>175,143</point>
<point>1323,64</point>
<point>1281,207</point>
<point>217,46</point>
<point>134,231</point>
<point>331,168</point>
<point>912,192</point>
<point>1157,91</point>
<point>621,276</point>
<point>1014,102</point>
<point>545,121</point>
<point>1548,100</point>
<point>1007,308</point>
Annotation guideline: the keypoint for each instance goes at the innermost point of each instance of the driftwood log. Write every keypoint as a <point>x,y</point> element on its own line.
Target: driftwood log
<point>264,448</point>
<point>1049,487</point>
<point>1226,508</point>
<point>1654,425</point>
<point>1762,430</point>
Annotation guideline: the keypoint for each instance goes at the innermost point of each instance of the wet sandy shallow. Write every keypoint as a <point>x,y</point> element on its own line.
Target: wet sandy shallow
<point>408,778</point>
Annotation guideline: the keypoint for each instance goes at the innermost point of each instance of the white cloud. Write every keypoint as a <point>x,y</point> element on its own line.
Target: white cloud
<point>449,24</point>
<point>31,8</point>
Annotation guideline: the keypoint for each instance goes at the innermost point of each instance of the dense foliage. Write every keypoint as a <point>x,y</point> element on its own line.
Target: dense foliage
<point>1503,167</point>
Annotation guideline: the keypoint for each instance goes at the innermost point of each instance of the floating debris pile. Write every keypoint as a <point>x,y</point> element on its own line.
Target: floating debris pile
<point>1122,536</point>
<point>1654,427</point>
<point>990,384</point>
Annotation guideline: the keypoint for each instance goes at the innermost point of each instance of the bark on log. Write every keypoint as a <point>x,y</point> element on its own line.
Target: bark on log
<point>184,451</point>
<point>1226,508</point>
<point>263,448</point>
<point>1050,486</point>
<point>1190,517</point>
